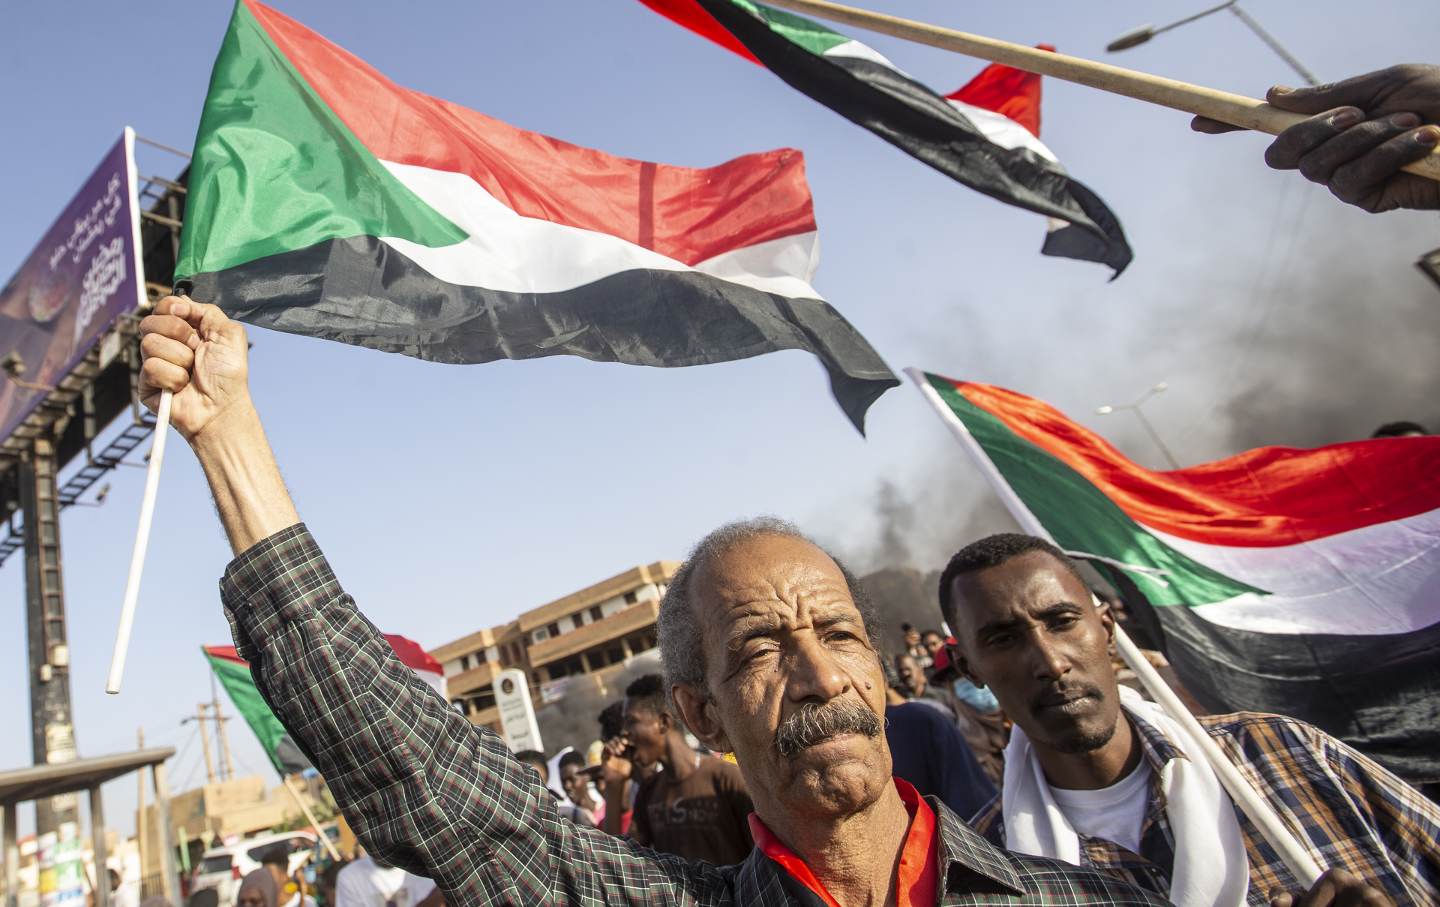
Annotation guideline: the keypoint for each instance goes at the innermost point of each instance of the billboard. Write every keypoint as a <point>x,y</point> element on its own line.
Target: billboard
<point>79,279</point>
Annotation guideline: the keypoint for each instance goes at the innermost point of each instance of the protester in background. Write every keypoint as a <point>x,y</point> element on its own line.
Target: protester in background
<point>122,894</point>
<point>576,781</point>
<point>932,642</point>
<point>617,772</point>
<point>769,650</point>
<point>917,688</point>
<point>695,805</point>
<point>258,889</point>
<point>1098,776</point>
<point>977,717</point>
<point>1360,133</point>
<point>1400,430</point>
<point>365,883</point>
<point>914,646</point>
<point>325,884</point>
<point>536,760</point>
<point>928,750</point>
<point>276,861</point>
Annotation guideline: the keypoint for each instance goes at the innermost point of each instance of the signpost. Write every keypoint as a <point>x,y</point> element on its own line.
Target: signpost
<point>517,714</point>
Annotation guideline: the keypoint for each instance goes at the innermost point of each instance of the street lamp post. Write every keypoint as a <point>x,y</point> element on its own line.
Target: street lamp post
<point>1137,36</point>
<point>1144,422</point>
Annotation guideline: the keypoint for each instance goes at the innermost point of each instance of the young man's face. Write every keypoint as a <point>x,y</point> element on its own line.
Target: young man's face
<point>645,731</point>
<point>1029,630</point>
<point>575,782</point>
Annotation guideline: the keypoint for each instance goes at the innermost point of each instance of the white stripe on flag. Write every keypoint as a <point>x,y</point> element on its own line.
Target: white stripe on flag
<point>1377,580</point>
<point>509,252</point>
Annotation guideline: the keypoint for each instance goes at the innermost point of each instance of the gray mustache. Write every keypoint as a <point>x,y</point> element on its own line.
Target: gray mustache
<point>816,722</point>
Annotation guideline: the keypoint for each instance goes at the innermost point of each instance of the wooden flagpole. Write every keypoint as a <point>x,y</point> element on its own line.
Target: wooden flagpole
<point>310,817</point>
<point>142,541</point>
<point>1255,807</point>
<point>1235,109</point>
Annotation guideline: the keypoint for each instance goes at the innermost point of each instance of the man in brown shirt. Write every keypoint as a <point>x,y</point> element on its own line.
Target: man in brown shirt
<point>696,805</point>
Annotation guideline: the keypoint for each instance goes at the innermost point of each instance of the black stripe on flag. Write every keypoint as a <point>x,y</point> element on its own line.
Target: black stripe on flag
<point>1380,694</point>
<point>363,292</point>
<point>920,122</point>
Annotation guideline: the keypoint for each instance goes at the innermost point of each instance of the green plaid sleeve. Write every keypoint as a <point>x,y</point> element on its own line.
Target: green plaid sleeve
<point>423,788</point>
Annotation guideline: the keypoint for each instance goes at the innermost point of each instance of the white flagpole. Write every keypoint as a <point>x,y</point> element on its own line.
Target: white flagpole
<point>142,541</point>
<point>1259,811</point>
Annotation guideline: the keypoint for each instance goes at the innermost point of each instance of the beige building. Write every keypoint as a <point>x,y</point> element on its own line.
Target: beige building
<point>579,635</point>
<point>225,810</point>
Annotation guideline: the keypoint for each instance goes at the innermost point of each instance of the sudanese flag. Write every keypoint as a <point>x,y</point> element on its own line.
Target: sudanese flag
<point>1303,582</point>
<point>328,201</point>
<point>233,673</point>
<point>985,135</point>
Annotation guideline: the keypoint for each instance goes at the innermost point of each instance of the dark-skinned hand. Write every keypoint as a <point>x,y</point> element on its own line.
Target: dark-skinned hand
<point>1360,133</point>
<point>1336,888</point>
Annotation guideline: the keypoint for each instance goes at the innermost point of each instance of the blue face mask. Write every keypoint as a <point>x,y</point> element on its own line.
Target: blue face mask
<point>978,698</point>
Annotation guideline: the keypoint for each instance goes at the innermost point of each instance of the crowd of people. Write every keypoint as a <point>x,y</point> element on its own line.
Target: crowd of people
<point>783,758</point>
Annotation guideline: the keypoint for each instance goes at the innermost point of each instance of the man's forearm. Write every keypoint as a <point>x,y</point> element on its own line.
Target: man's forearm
<point>244,478</point>
<point>614,809</point>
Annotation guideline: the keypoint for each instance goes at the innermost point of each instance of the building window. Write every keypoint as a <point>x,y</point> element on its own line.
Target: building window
<point>596,613</point>
<point>464,662</point>
<point>614,655</point>
<point>554,629</point>
<point>484,698</point>
<point>578,620</point>
<point>541,634</point>
<point>630,597</point>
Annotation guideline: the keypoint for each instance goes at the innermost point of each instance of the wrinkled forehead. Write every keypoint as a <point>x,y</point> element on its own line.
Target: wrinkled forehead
<point>769,577</point>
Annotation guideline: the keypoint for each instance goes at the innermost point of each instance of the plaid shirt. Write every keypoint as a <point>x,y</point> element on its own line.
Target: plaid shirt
<point>427,791</point>
<point>1350,812</point>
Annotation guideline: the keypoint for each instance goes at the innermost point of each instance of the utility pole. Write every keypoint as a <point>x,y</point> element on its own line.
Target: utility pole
<point>140,807</point>
<point>227,768</point>
<point>52,731</point>
<point>200,716</point>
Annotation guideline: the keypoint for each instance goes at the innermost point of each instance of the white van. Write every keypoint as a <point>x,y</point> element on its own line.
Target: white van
<point>222,868</point>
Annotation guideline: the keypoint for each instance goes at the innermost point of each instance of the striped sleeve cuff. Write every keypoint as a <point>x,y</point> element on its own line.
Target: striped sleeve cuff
<point>282,578</point>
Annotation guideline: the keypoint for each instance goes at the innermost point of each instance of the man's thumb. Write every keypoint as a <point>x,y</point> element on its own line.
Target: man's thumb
<point>1357,91</point>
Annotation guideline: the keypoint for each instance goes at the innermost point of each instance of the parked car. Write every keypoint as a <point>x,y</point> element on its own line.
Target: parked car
<point>222,868</point>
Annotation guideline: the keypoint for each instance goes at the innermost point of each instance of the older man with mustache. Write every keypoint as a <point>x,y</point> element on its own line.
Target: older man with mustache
<point>767,648</point>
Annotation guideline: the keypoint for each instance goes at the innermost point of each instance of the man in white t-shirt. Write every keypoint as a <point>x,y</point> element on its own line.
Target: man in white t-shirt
<point>365,883</point>
<point>1097,776</point>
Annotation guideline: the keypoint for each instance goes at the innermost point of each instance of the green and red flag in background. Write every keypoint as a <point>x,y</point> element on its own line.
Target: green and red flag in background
<point>234,675</point>
<point>1303,582</point>
<point>326,200</point>
<point>986,135</point>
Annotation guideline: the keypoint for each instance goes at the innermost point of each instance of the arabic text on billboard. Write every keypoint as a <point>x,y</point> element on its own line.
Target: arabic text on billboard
<point>82,276</point>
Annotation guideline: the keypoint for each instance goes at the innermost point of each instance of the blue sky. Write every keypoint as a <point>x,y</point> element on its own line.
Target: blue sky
<point>450,498</point>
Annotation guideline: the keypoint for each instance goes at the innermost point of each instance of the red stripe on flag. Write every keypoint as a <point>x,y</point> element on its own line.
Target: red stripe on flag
<point>410,652</point>
<point>696,213</point>
<point>225,653</point>
<point>693,16</point>
<point>1267,497</point>
<point>1009,92</point>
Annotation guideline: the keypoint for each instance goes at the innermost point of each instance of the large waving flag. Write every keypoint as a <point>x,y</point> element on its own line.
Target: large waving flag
<point>326,200</point>
<point>985,136</point>
<point>233,673</point>
<point>1304,582</point>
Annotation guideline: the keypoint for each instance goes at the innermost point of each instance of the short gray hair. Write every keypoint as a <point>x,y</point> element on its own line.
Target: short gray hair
<point>682,653</point>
